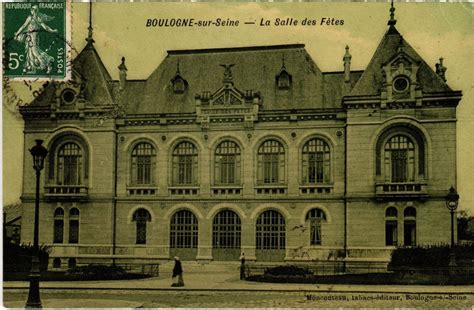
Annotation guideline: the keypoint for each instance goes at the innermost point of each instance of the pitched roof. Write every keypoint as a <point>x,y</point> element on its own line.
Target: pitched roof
<point>334,86</point>
<point>371,80</point>
<point>88,68</point>
<point>97,79</point>
<point>255,69</point>
<point>12,212</point>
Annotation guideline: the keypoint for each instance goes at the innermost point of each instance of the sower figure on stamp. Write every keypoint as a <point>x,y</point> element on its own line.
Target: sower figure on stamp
<point>35,57</point>
<point>177,273</point>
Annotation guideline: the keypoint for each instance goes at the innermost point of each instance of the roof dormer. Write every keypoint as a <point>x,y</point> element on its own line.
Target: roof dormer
<point>283,78</point>
<point>178,83</point>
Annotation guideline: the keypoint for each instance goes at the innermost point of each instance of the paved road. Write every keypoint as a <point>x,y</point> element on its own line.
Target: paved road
<point>234,299</point>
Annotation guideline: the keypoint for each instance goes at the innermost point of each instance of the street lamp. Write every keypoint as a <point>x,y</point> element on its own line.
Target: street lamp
<point>452,199</point>
<point>39,153</point>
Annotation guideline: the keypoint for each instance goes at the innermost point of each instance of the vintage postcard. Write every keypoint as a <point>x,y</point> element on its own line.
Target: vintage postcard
<point>235,155</point>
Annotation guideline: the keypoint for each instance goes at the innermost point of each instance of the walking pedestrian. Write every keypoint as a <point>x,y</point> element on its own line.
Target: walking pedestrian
<point>242,266</point>
<point>177,273</point>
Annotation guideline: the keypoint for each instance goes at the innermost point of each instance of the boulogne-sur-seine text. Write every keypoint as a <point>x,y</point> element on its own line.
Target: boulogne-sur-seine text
<point>229,22</point>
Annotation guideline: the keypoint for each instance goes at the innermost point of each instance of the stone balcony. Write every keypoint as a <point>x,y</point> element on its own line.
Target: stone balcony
<point>142,190</point>
<point>183,190</point>
<point>66,192</point>
<point>405,190</point>
<point>271,190</point>
<point>316,189</point>
<point>226,190</point>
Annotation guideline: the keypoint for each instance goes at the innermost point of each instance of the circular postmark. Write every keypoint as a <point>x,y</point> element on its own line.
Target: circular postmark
<point>19,91</point>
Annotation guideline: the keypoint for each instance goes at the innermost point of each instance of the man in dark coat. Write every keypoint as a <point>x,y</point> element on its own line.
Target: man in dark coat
<point>177,272</point>
<point>242,266</point>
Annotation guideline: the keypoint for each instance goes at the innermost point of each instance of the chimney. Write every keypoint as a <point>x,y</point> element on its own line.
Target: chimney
<point>347,65</point>
<point>122,73</point>
<point>440,69</point>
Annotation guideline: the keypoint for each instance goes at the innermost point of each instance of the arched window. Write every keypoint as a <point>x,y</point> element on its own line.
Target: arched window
<point>58,231</point>
<point>316,162</point>
<point>399,155</point>
<point>315,217</point>
<point>69,164</point>
<point>270,230</point>
<point>68,161</point>
<point>226,230</point>
<point>227,163</point>
<point>143,164</point>
<point>74,225</point>
<point>141,217</point>
<point>391,226</point>
<point>271,163</point>
<point>185,164</point>
<point>409,226</point>
<point>184,230</point>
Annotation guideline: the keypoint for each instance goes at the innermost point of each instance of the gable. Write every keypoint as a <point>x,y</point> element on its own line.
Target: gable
<point>372,79</point>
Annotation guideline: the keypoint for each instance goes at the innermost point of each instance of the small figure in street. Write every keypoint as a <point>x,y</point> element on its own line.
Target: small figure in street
<point>177,273</point>
<point>242,266</point>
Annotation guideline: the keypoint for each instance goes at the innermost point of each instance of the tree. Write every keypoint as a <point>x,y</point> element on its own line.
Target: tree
<point>465,226</point>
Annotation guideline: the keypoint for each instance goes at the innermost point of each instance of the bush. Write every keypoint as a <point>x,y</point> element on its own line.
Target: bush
<point>429,256</point>
<point>465,231</point>
<point>17,258</point>
<point>286,270</point>
<point>100,272</point>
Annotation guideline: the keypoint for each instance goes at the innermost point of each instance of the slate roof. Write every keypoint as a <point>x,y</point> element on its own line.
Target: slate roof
<point>98,81</point>
<point>256,68</point>
<point>89,68</point>
<point>371,80</point>
<point>12,212</point>
<point>334,86</point>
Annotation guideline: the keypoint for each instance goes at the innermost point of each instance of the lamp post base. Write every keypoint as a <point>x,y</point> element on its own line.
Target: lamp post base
<point>34,300</point>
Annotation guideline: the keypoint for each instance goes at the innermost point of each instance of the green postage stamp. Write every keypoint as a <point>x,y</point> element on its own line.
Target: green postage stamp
<point>36,39</point>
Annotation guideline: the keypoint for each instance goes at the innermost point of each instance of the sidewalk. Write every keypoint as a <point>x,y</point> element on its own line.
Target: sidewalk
<point>231,282</point>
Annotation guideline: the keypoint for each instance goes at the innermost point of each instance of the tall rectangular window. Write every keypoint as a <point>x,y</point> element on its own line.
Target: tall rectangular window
<point>141,232</point>
<point>316,162</point>
<point>316,233</point>
<point>399,165</point>
<point>271,163</point>
<point>185,164</point>
<point>73,231</point>
<point>58,231</point>
<point>399,159</point>
<point>391,233</point>
<point>409,232</point>
<point>143,164</point>
<point>69,164</point>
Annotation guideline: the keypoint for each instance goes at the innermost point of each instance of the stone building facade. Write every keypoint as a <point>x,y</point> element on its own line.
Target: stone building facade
<point>249,150</point>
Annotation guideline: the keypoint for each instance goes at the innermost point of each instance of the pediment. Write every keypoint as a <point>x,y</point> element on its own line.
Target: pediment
<point>227,95</point>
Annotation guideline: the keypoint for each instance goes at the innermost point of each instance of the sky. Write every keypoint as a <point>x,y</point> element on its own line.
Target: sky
<point>434,30</point>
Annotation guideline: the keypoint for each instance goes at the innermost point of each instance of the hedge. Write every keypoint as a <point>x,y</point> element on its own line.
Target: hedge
<point>430,256</point>
<point>17,258</point>
<point>287,270</point>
